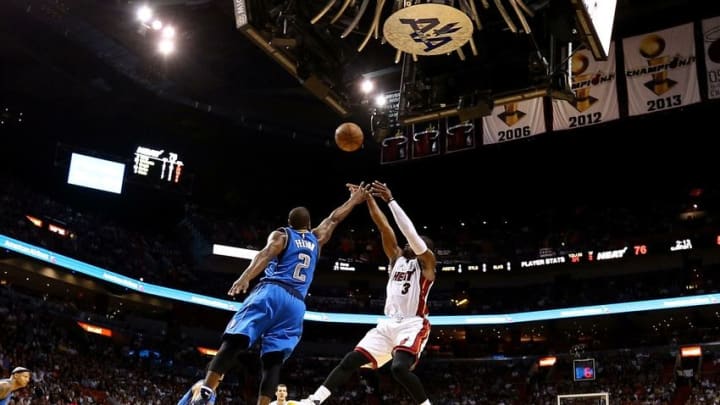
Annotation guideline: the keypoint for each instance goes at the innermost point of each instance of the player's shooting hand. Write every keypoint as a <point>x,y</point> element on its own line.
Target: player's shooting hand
<point>381,190</point>
<point>358,192</point>
<point>239,286</point>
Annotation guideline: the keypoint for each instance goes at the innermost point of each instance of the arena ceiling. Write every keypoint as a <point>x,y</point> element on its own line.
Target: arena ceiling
<point>78,50</point>
<point>100,83</point>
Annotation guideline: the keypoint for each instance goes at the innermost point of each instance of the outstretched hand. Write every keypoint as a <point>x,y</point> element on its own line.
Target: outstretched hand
<point>361,189</point>
<point>381,190</point>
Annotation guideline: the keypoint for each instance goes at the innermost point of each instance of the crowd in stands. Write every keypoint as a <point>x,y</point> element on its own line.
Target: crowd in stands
<point>706,392</point>
<point>169,258</point>
<point>71,366</point>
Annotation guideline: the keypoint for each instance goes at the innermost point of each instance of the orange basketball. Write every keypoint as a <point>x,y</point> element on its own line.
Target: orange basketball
<point>349,136</point>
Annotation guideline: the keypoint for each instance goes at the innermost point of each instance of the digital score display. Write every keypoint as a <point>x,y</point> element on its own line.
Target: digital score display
<point>164,166</point>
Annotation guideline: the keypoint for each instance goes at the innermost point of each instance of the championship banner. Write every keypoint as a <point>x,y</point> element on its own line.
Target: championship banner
<point>459,135</point>
<point>595,90</point>
<point>394,148</point>
<point>711,38</point>
<point>425,139</point>
<point>661,70</point>
<point>512,121</point>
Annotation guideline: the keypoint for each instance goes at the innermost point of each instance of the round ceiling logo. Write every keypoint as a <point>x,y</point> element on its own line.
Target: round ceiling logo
<point>428,29</point>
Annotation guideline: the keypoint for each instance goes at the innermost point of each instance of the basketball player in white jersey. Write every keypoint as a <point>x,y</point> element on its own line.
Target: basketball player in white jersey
<point>402,335</point>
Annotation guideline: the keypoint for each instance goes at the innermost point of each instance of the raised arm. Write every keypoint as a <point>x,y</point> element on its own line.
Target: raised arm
<point>274,246</point>
<point>327,226</point>
<point>425,256</point>
<point>387,234</point>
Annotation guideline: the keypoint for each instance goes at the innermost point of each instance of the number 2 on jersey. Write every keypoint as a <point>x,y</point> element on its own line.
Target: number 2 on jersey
<point>304,264</point>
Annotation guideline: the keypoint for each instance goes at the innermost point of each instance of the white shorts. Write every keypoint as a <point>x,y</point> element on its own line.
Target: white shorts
<point>380,342</point>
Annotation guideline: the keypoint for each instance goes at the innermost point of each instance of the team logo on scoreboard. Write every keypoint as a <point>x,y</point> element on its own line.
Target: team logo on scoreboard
<point>428,29</point>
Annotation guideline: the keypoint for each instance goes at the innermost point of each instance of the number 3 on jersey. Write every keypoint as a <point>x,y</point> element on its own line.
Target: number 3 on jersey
<point>304,264</point>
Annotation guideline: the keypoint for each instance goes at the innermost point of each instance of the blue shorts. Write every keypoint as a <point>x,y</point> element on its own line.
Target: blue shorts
<point>272,314</point>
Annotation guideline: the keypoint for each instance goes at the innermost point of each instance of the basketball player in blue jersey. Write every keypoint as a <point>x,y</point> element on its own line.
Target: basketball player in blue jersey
<point>401,336</point>
<point>274,310</point>
<point>19,378</point>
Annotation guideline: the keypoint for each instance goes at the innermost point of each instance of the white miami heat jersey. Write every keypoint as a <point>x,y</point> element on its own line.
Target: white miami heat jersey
<point>407,290</point>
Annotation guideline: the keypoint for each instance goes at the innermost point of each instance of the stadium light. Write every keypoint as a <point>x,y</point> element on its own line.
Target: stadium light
<point>144,14</point>
<point>166,46</point>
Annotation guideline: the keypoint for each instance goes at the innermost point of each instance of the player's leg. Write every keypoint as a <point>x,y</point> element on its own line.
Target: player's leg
<point>338,377</point>
<point>241,332</point>
<point>400,368</point>
<point>348,366</point>
<point>279,340</point>
<point>226,357</point>
<point>203,392</point>
<point>410,337</point>
<point>271,365</point>
<point>372,349</point>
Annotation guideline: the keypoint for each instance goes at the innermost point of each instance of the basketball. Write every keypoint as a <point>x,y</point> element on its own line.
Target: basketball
<point>349,136</point>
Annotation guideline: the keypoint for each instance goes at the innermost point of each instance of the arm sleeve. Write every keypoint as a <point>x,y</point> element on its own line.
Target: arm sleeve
<point>407,228</point>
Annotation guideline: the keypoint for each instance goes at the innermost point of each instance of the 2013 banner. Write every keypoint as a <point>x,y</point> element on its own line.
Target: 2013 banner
<point>661,70</point>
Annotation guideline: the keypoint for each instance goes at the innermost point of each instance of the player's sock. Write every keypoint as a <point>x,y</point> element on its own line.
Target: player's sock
<point>206,396</point>
<point>321,394</point>
<point>427,402</point>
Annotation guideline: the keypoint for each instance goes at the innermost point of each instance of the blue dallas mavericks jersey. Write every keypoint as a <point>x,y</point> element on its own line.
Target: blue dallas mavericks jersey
<point>296,265</point>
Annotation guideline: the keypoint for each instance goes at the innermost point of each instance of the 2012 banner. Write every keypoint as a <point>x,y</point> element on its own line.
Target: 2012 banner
<point>594,85</point>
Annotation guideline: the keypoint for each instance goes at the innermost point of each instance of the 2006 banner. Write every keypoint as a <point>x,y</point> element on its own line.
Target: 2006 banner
<point>513,121</point>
